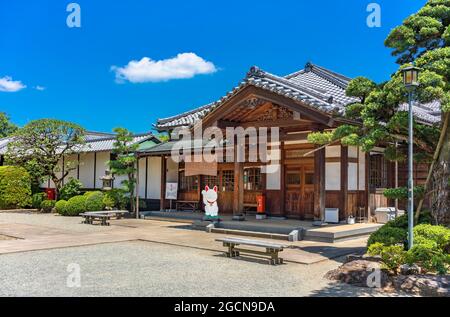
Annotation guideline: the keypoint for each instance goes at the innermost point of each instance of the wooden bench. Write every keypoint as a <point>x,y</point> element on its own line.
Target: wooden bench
<point>271,249</point>
<point>91,217</point>
<point>189,204</point>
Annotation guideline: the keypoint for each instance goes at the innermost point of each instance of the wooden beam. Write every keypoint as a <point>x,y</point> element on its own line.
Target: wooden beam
<point>319,185</point>
<point>238,202</point>
<point>163,183</point>
<point>344,182</point>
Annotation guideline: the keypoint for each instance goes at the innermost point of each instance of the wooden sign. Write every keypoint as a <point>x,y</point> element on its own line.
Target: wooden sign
<point>200,168</point>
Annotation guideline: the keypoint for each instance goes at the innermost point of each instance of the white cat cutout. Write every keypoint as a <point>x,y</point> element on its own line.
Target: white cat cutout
<point>210,200</point>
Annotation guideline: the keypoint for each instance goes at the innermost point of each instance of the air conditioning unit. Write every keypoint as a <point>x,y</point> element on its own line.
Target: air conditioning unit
<point>332,215</point>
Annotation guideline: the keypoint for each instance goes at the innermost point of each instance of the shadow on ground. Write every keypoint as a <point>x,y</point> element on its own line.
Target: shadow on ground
<point>331,252</point>
<point>336,289</point>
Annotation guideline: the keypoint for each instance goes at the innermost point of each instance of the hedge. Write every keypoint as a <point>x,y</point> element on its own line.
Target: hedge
<point>48,205</point>
<point>61,207</point>
<point>15,187</point>
<point>94,201</point>
<point>76,205</point>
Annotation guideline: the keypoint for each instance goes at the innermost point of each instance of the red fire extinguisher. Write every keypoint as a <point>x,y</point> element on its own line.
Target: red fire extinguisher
<point>261,204</point>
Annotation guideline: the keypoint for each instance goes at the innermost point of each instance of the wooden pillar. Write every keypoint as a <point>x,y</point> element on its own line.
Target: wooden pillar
<point>282,179</point>
<point>137,187</point>
<point>238,202</point>
<point>146,178</point>
<point>319,185</point>
<point>163,183</point>
<point>367,186</point>
<point>344,183</point>
<point>95,169</point>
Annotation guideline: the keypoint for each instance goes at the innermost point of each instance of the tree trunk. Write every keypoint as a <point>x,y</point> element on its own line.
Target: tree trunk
<point>440,186</point>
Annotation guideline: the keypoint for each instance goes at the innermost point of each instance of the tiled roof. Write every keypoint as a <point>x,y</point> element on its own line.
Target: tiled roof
<point>95,142</point>
<point>427,113</point>
<point>317,87</point>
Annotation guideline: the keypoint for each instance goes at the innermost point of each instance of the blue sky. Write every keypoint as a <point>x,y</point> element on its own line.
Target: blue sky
<point>72,67</point>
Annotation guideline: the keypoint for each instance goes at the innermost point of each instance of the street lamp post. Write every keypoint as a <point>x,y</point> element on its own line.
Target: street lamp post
<point>411,82</point>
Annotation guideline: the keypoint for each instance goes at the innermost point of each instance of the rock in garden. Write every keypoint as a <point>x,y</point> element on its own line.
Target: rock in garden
<point>407,269</point>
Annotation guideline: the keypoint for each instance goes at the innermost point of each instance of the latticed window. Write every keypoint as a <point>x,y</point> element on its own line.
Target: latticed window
<point>378,171</point>
<point>252,179</point>
<point>188,183</point>
<point>210,181</point>
<point>227,181</point>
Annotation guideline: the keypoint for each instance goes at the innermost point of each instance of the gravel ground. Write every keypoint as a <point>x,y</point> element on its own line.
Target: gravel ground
<point>51,221</point>
<point>149,269</point>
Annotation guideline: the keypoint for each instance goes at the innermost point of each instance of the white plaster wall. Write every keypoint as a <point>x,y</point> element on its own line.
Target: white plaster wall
<point>352,176</point>
<point>154,178</point>
<point>362,170</point>
<point>172,171</point>
<point>353,151</point>
<point>102,160</point>
<point>333,151</point>
<point>142,163</point>
<point>87,170</point>
<point>333,176</point>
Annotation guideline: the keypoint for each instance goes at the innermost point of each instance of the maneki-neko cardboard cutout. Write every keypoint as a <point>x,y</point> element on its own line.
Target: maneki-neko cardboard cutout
<point>210,200</point>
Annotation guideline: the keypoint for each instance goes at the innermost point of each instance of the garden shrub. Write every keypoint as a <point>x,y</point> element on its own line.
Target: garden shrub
<point>61,207</point>
<point>15,187</point>
<point>108,202</point>
<point>392,256</point>
<point>37,199</point>
<point>119,197</point>
<point>388,235</point>
<point>76,205</point>
<point>429,257</point>
<point>396,231</point>
<point>438,234</point>
<point>71,189</point>
<point>48,205</point>
<point>94,201</point>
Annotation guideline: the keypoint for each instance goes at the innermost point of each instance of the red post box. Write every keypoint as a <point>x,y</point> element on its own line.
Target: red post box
<point>51,193</point>
<point>261,204</point>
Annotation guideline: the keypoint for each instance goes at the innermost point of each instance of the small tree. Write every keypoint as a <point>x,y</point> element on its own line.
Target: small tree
<point>125,162</point>
<point>40,147</point>
<point>6,127</point>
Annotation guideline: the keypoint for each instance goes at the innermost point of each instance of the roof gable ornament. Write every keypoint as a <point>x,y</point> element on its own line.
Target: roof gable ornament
<point>308,67</point>
<point>255,71</point>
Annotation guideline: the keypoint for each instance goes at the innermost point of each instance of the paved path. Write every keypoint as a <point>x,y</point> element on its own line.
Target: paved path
<point>41,232</point>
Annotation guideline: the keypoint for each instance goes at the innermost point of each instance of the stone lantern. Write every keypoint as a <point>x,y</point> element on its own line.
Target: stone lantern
<point>107,181</point>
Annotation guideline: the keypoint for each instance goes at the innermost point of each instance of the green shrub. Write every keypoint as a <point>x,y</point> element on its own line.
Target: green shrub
<point>15,187</point>
<point>71,189</point>
<point>48,205</point>
<point>37,199</point>
<point>61,207</point>
<point>108,202</point>
<point>392,256</point>
<point>396,231</point>
<point>388,236</point>
<point>76,205</point>
<point>94,201</point>
<point>438,234</point>
<point>429,257</point>
<point>119,197</point>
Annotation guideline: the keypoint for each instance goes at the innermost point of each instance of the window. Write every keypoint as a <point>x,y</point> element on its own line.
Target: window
<point>210,181</point>
<point>378,171</point>
<point>188,183</point>
<point>309,178</point>
<point>293,178</point>
<point>227,181</point>
<point>252,179</point>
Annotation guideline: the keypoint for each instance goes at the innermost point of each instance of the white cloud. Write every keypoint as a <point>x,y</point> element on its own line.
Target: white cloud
<point>40,88</point>
<point>185,65</point>
<point>7,84</point>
